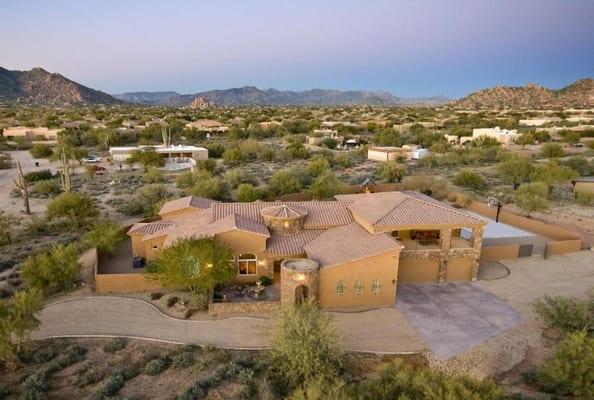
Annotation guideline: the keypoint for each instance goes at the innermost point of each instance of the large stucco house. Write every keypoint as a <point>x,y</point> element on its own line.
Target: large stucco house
<point>348,252</point>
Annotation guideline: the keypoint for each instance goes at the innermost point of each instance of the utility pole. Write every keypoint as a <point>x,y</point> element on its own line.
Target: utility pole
<point>22,185</point>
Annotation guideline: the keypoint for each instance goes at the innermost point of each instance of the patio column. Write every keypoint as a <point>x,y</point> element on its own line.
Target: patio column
<point>476,242</point>
<point>445,236</point>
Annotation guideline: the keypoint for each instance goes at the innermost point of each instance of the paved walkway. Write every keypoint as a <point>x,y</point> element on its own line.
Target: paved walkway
<point>383,330</point>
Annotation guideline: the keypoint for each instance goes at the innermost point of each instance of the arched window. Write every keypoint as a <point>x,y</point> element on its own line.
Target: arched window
<point>358,286</point>
<point>340,287</point>
<point>246,264</point>
<point>375,286</point>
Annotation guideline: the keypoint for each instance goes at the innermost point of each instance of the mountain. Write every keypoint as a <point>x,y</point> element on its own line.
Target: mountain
<point>577,94</point>
<point>38,86</point>
<point>250,95</point>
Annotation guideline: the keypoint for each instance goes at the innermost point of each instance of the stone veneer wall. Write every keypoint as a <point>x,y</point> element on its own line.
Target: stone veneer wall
<point>260,307</point>
<point>284,226</point>
<point>290,281</point>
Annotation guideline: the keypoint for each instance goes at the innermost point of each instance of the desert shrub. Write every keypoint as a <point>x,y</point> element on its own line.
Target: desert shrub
<point>77,209</point>
<point>326,186</point>
<point>171,301</point>
<point>320,389</point>
<point>532,197</point>
<point>115,345</point>
<point>305,346</point>
<point>4,391</point>
<point>41,150</point>
<point>285,181</point>
<point>88,374</point>
<point>470,179</point>
<point>237,176</point>
<point>391,171</point>
<point>234,156</point>
<point>567,314</point>
<point>156,295</point>
<point>35,384</point>
<point>46,188</point>
<point>570,371</point>
<point>73,354</point>
<point>208,165</point>
<point>44,354</point>
<point>317,166</point>
<point>342,160</point>
<point>428,185</point>
<point>143,203</point>
<point>41,175</point>
<point>182,360</point>
<point>188,313</point>
<point>211,187</point>
<point>551,150</point>
<point>112,385</point>
<point>266,281</point>
<point>246,192</point>
<point>153,175</point>
<point>215,150</point>
<point>400,380</point>
<point>156,366</point>
<point>52,271</point>
<point>584,198</point>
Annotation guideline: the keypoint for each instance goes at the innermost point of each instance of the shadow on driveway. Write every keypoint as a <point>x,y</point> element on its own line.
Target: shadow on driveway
<point>453,317</point>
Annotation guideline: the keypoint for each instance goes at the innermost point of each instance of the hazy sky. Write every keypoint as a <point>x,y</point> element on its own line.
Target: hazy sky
<point>410,48</point>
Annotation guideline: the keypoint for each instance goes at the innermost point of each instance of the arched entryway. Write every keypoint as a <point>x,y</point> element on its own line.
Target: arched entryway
<point>301,293</point>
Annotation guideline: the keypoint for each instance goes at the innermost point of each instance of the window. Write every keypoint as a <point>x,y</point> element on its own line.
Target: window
<point>375,286</point>
<point>246,264</point>
<point>358,286</point>
<point>155,246</point>
<point>340,287</point>
<point>396,235</point>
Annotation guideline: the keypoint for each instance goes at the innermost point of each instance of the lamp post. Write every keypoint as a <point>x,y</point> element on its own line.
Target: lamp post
<point>494,202</point>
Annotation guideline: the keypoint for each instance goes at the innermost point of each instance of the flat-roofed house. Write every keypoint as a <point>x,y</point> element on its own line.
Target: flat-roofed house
<point>406,152</point>
<point>210,126</point>
<point>503,136</point>
<point>583,185</point>
<point>349,252</point>
<point>170,152</point>
<point>31,133</point>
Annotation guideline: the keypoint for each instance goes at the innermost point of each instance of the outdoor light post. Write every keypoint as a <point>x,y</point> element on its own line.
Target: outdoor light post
<point>493,202</point>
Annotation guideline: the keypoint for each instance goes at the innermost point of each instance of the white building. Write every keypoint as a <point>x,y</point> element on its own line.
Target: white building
<point>537,121</point>
<point>406,152</point>
<point>503,136</point>
<point>173,152</point>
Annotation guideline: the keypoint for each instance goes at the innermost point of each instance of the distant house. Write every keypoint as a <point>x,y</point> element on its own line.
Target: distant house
<point>210,126</point>
<point>406,152</point>
<point>318,136</point>
<point>31,133</point>
<point>171,152</point>
<point>503,136</point>
<point>406,126</point>
<point>537,121</point>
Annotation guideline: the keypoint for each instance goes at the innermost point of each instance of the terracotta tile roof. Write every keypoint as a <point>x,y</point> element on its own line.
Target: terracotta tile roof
<point>186,202</point>
<point>320,214</point>
<point>406,209</point>
<point>283,211</point>
<point>347,244</point>
<point>291,245</point>
<point>150,228</point>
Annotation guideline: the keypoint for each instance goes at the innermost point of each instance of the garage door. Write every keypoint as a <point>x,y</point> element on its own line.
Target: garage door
<point>459,270</point>
<point>418,271</point>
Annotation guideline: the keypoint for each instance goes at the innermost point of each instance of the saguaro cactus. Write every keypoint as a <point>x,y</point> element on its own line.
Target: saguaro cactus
<point>65,173</point>
<point>22,186</point>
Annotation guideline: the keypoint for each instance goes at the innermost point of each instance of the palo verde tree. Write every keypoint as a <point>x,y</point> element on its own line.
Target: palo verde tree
<point>78,209</point>
<point>195,265</point>
<point>52,271</point>
<point>105,236</point>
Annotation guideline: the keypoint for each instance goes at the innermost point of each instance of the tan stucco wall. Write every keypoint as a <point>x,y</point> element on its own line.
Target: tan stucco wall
<point>137,246</point>
<point>459,269</point>
<point>494,253</point>
<point>418,271</point>
<point>244,242</point>
<point>584,187</point>
<point>150,253</point>
<point>383,267</point>
<point>123,283</point>
<point>563,246</point>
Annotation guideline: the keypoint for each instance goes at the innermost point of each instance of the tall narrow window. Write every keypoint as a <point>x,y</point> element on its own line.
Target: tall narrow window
<point>358,286</point>
<point>246,264</point>
<point>340,287</point>
<point>375,286</point>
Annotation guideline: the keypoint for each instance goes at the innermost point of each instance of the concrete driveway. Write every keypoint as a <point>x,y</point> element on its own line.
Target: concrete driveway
<point>454,317</point>
<point>384,330</point>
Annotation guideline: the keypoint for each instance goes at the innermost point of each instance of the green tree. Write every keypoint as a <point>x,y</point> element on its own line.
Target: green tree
<point>326,186</point>
<point>78,209</point>
<point>570,371</point>
<point>304,347</point>
<point>52,271</point>
<point>105,236</point>
<point>196,265</point>
<point>317,166</point>
<point>552,150</point>
<point>391,171</point>
<point>470,179</point>
<point>532,197</point>
<point>285,181</point>
<point>246,192</point>
<point>41,150</point>
<point>147,158</point>
<point>516,170</point>
<point>211,187</point>
<point>552,173</point>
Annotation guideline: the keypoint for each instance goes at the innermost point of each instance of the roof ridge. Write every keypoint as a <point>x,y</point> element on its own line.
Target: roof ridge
<point>443,207</point>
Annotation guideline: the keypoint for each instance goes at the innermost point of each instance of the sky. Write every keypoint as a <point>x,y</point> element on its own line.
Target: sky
<point>410,48</point>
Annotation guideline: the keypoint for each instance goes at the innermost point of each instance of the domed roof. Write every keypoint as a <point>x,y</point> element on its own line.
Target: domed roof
<point>283,211</point>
